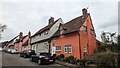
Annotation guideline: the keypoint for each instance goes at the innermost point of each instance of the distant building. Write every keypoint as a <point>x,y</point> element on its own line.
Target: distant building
<point>22,43</point>
<point>12,42</point>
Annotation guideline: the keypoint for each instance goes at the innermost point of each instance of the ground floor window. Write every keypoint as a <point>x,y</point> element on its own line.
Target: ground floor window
<point>58,48</point>
<point>68,49</point>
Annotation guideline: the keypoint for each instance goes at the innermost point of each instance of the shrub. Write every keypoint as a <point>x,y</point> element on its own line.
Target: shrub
<point>61,57</point>
<point>78,62</point>
<point>67,59</point>
<point>105,59</point>
<point>71,59</point>
<point>58,57</point>
<point>54,55</point>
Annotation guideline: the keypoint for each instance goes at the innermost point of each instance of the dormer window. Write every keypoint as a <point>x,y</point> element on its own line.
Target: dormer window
<point>84,28</point>
<point>61,32</point>
<point>91,32</point>
<point>46,32</point>
<point>39,34</point>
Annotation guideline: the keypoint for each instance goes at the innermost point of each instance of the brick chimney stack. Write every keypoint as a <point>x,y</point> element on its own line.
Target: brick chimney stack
<point>84,11</point>
<point>20,35</point>
<point>29,34</point>
<point>51,20</point>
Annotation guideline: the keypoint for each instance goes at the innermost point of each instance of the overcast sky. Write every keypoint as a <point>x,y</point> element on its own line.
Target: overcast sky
<point>31,15</point>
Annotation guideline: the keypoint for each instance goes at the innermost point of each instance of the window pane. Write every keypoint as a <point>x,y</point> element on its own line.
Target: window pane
<point>58,48</point>
<point>68,49</point>
<point>84,28</point>
<point>91,32</point>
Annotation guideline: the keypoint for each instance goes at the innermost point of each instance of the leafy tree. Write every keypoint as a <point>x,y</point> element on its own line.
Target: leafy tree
<point>108,37</point>
<point>118,43</point>
<point>118,40</point>
<point>108,40</point>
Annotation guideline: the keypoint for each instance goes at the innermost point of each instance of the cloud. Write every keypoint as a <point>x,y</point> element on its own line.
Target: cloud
<point>109,23</point>
<point>48,1</point>
<point>31,16</point>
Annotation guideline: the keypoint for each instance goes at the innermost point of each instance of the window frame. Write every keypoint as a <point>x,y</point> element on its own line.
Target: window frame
<point>84,28</point>
<point>91,32</point>
<point>58,49</point>
<point>67,49</point>
<point>46,33</point>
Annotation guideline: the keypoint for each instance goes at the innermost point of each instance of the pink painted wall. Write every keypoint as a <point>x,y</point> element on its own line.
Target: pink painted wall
<point>25,39</point>
<point>16,45</point>
<point>20,47</point>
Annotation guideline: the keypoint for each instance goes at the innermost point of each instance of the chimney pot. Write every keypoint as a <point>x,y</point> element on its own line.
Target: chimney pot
<point>51,20</point>
<point>84,11</point>
<point>29,33</point>
<point>20,35</point>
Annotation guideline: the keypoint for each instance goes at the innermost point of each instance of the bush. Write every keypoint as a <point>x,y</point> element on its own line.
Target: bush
<point>102,49</point>
<point>60,57</point>
<point>54,55</point>
<point>78,62</point>
<point>105,59</point>
<point>71,59</point>
<point>67,59</point>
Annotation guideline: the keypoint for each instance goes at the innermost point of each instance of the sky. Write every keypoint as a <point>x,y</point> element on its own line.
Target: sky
<point>32,15</point>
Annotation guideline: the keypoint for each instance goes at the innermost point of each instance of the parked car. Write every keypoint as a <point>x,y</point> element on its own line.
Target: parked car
<point>13,51</point>
<point>7,50</point>
<point>42,58</point>
<point>27,53</point>
<point>1,49</point>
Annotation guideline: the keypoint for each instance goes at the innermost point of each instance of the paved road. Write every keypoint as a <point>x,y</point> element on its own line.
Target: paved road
<point>15,60</point>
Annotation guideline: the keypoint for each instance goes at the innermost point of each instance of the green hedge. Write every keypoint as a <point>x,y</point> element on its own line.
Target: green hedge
<point>105,59</point>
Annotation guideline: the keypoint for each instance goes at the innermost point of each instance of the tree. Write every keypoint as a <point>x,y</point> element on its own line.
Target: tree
<point>2,28</point>
<point>108,37</point>
<point>108,40</point>
<point>118,40</point>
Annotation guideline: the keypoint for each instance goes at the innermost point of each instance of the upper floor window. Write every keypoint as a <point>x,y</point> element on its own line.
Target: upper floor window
<point>58,48</point>
<point>84,28</point>
<point>91,32</point>
<point>85,49</point>
<point>39,34</point>
<point>68,49</point>
<point>46,32</point>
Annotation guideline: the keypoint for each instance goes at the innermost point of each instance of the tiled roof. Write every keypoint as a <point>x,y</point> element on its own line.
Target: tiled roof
<point>71,26</point>
<point>26,43</point>
<point>45,28</point>
<point>24,37</point>
<point>13,38</point>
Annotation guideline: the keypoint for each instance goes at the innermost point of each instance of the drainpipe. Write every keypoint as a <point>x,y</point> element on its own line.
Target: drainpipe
<point>79,45</point>
<point>49,42</point>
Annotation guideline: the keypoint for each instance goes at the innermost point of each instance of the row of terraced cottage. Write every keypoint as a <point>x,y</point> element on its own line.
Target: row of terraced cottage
<point>74,38</point>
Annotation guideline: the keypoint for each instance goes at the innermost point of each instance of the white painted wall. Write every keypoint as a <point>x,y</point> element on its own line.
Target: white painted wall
<point>42,47</point>
<point>52,30</point>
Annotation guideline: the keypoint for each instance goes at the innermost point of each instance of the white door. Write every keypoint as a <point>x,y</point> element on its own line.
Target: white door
<point>53,50</point>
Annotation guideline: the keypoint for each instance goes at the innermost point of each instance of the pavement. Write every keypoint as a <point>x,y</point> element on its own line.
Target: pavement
<point>66,64</point>
<point>14,61</point>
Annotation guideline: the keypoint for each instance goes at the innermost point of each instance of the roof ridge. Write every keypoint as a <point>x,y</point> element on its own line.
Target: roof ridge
<point>46,27</point>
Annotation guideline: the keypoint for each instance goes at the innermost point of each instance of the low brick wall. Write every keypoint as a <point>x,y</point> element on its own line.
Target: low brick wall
<point>66,64</point>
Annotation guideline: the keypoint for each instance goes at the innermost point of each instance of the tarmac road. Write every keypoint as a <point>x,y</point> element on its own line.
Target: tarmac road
<point>13,60</point>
